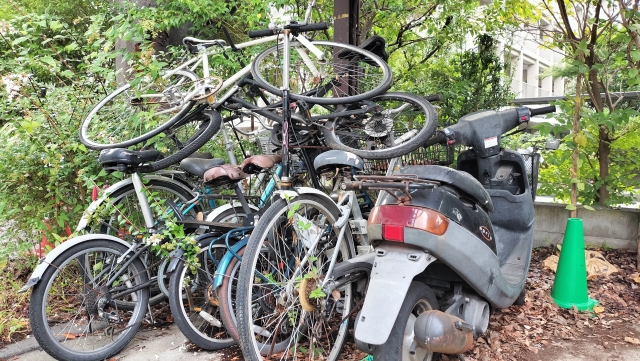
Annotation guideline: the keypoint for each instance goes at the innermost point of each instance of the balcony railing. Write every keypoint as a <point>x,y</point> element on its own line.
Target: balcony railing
<point>530,90</point>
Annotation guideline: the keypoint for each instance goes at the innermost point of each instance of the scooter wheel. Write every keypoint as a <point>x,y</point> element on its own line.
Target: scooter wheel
<point>419,299</point>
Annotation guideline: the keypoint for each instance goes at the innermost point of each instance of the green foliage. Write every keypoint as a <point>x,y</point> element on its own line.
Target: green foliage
<point>554,179</point>
<point>469,81</point>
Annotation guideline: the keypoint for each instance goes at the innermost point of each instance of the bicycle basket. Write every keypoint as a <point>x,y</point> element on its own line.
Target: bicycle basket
<point>434,155</point>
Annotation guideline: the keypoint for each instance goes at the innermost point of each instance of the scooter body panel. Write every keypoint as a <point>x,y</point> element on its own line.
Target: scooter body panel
<point>395,266</point>
<point>473,260</point>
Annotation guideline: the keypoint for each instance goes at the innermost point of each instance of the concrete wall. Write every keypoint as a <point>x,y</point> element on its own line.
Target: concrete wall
<point>617,227</point>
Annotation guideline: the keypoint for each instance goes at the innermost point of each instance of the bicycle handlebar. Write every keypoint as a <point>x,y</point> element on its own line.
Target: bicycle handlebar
<point>297,27</point>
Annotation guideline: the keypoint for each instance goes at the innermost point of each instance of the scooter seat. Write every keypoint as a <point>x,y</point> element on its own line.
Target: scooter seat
<point>461,180</point>
<point>197,166</point>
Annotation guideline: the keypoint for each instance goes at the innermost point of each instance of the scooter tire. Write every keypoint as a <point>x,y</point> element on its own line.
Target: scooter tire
<point>419,298</point>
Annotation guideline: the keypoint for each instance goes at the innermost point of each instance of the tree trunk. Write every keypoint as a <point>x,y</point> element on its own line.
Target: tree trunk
<point>604,149</point>
<point>576,151</point>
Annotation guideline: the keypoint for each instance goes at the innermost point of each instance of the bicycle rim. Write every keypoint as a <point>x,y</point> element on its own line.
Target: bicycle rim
<point>137,111</point>
<point>332,81</point>
<point>283,314</point>
<point>75,320</point>
<point>194,303</point>
<point>393,125</point>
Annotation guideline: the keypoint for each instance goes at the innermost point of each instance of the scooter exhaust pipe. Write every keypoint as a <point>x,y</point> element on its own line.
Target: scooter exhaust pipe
<point>439,332</point>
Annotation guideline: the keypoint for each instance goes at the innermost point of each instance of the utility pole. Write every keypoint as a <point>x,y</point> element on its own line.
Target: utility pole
<point>345,21</point>
<point>345,29</point>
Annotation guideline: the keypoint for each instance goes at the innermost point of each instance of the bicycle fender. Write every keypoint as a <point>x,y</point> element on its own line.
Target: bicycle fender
<point>394,267</point>
<point>46,261</point>
<point>291,194</point>
<point>88,213</point>
<point>175,258</point>
<point>224,262</point>
<point>218,210</point>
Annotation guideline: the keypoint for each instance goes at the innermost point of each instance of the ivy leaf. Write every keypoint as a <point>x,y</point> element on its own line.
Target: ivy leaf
<point>570,207</point>
<point>580,186</point>
<point>589,208</point>
<point>635,55</point>
<point>49,61</point>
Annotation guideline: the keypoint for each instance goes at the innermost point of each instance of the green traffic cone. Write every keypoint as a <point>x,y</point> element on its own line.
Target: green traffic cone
<point>570,284</point>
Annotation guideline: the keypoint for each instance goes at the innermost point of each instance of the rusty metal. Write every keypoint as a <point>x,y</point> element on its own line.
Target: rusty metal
<point>439,332</point>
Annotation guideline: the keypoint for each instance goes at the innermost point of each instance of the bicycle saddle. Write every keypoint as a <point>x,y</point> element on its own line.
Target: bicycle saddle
<point>125,160</point>
<point>375,44</point>
<point>255,164</point>
<point>198,166</point>
<point>224,174</point>
<point>192,43</point>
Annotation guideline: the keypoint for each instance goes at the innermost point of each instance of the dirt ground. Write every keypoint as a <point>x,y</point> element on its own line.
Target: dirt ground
<point>540,330</point>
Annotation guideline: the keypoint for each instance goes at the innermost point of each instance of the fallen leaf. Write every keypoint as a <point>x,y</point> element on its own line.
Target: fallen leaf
<point>598,309</point>
<point>632,340</point>
<point>69,336</point>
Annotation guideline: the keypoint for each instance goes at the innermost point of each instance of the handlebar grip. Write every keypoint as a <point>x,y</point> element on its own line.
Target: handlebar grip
<point>433,98</point>
<point>543,110</point>
<point>438,138</point>
<point>261,33</point>
<point>314,27</point>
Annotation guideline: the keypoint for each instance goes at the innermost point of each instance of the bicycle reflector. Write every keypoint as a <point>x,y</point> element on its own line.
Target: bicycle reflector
<point>394,219</point>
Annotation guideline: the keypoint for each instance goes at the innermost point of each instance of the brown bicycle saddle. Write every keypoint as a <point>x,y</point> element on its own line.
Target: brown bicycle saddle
<point>224,174</point>
<point>255,164</point>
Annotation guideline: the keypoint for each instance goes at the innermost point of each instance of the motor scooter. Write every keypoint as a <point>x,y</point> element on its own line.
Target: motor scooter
<point>449,245</point>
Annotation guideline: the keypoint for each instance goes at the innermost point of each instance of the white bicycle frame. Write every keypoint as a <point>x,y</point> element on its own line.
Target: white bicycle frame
<point>203,59</point>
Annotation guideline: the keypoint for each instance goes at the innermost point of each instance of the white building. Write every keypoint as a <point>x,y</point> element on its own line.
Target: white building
<point>526,60</point>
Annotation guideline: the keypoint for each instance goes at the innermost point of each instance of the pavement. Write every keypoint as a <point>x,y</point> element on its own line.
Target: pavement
<point>169,344</point>
<point>148,345</point>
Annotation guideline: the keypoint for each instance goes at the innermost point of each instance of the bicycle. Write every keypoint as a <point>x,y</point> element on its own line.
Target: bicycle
<point>140,110</point>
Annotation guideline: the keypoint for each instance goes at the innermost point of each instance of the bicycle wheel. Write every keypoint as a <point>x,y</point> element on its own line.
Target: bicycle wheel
<point>346,74</point>
<point>393,125</point>
<point>227,296</point>
<point>137,111</point>
<point>196,128</point>
<point>74,320</point>
<point>193,302</point>
<point>124,205</point>
<point>281,310</point>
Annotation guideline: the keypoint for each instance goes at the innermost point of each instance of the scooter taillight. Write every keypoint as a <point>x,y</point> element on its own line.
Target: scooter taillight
<point>394,218</point>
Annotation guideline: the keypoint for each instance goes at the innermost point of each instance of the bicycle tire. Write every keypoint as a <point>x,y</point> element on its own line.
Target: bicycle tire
<point>227,296</point>
<point>369,77</point>
<point>203,134</point>
<point>187,316</point>
<point>373,134</point>
<point>115,121</point>
<point>161,190</point>
<point>85,330</point>
<point>275,259</point>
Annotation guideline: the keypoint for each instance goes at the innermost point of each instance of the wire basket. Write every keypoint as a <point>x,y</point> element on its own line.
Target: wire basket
<point>532,165</point>
<point>435,155</point>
